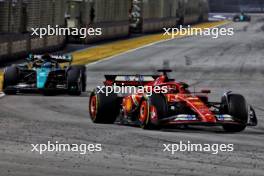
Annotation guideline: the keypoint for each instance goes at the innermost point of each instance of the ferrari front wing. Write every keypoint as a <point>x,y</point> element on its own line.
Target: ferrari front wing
<point>221,119</point>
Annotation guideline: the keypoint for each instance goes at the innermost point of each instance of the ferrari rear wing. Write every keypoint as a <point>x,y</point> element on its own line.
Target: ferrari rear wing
<point>129,80</point>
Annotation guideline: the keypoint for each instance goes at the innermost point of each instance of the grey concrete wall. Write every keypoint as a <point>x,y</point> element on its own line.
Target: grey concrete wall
<point>110,15</point>
<point>156,14</point>
<point>20,16</point>
<point>10,16</point>
<point>236,5</point>
<point>14,46</point>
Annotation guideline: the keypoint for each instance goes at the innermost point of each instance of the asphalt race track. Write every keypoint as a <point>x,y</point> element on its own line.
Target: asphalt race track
<point>228,63</point>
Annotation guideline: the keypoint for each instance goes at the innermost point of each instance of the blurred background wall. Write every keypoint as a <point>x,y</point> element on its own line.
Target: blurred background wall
<point>116,18</point>
<point>236,5</point>
<point>110,15</point>
<point>19,16</point>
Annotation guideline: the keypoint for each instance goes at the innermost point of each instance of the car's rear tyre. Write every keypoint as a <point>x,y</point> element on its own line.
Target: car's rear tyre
<point>102,108</point>
<point>152,109</point>
<point>236,106</point>
<point>83,72</point>
<point>11,78</point>
<point>75,80</point>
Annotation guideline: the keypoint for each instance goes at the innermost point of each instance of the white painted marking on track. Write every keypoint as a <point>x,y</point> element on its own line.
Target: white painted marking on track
<point>2,94</point>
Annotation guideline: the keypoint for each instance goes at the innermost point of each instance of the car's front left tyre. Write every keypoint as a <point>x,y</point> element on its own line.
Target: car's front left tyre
<point>236,106</point>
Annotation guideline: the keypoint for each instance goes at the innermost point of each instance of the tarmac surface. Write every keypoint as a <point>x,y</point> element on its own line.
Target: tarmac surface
<point>228,63</point>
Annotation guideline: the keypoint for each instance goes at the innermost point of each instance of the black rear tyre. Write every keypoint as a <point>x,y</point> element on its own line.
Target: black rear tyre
<point>11,78</point>
<point>83,73</point>
<point>236,107</point>
<point>75,80</point>
<point>103,109</point>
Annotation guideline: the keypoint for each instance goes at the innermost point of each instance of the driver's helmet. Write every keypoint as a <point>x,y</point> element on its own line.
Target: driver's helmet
<point>47,65</point>
<point>46,56</point>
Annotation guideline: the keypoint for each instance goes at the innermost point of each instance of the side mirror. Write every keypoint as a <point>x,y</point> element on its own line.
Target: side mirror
<point>205,91</point>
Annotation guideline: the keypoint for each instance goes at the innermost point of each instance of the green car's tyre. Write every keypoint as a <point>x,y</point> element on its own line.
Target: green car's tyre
<point>76,80</point>
<point>11,78</point>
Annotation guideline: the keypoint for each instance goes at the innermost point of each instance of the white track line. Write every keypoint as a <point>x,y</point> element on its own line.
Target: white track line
<point>2,94</point>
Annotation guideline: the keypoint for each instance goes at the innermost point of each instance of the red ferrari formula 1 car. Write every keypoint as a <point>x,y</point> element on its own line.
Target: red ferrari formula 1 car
<point>174,105</point>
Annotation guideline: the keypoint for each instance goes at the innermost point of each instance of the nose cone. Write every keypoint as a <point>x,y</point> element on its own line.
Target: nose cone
<point>210,118</point>
<point>202,110</point>
<point>42,76</point>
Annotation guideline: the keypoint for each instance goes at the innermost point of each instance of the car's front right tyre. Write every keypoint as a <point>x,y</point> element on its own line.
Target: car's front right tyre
<point>236,106</point>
